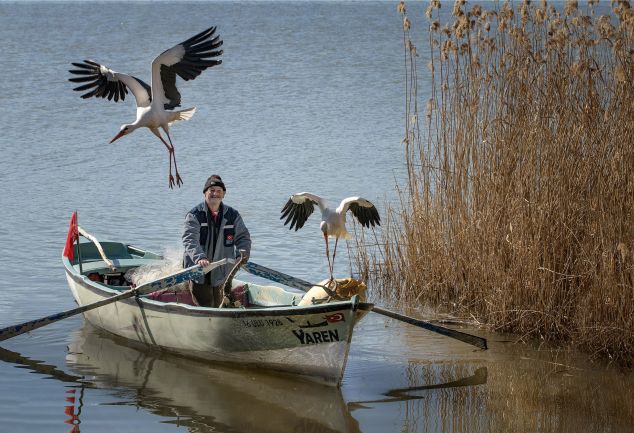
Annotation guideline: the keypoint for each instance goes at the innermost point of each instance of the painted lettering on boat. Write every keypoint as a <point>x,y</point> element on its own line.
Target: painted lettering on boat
<point>316,325</point>
<point>259,323</point>
<point>316,337</point>
<point>308,324</point>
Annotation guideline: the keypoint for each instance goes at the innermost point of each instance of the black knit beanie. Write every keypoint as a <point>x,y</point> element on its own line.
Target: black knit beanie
<point>214,180</point>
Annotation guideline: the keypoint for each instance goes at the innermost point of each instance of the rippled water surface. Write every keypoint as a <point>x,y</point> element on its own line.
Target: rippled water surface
<point>309,98</point>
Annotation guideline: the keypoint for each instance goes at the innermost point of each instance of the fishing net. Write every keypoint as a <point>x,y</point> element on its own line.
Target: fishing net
<point>173,262</point>
<point>337,290</point>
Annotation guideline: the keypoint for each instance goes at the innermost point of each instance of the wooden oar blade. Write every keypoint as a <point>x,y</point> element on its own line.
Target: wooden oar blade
<point>447,332</point>
<point>15,330</point>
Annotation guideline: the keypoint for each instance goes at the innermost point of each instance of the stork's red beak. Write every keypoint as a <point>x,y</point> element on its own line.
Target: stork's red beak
<point>118,136</point>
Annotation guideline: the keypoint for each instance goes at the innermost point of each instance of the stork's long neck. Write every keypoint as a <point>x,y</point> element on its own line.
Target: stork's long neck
<point>134,125</point>
<point>324,228</point>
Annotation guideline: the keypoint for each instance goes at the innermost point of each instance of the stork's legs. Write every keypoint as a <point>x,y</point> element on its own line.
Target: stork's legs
<point>330,267</point>
<point>179,181</point>
<point>172,154</point>
<point>334,253</point>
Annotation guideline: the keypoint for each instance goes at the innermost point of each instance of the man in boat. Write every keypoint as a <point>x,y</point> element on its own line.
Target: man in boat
<point>213,231</point>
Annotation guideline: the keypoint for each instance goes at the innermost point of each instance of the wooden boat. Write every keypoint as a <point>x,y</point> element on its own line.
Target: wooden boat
<point>271,331</point>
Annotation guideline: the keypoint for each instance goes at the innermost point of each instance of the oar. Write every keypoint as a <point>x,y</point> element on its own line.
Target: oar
<point>191,273</point>
<point>288,280</point>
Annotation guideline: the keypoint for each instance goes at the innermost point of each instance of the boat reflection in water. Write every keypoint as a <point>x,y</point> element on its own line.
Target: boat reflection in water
<point>205,397</point>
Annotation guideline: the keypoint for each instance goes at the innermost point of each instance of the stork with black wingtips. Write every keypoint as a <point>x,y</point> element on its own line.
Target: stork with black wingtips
<point>333,221</point>
<point>156,102</point>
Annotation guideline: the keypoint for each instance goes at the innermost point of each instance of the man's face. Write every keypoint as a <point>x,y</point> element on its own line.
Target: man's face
<point>213,196</point>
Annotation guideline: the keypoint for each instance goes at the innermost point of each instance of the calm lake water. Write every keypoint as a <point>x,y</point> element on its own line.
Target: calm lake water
<point>309,98</point>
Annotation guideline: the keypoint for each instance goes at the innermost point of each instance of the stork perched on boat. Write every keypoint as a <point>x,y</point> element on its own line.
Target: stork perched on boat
<point>187,60</point>
<point>333,221</point>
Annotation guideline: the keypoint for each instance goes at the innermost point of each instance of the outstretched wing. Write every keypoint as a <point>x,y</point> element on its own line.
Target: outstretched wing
<point>299,207</point>
<point>102,82</point>
<point>187,60</point>
<point>362,209</point>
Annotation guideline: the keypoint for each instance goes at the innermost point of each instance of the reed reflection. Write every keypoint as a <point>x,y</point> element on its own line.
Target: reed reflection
<point>520,390</point>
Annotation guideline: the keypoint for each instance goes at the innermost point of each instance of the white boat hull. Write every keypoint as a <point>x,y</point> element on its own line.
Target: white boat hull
<point>312,341</point>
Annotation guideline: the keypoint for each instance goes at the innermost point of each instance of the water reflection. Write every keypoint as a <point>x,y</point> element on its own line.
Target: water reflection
<point>36,366</point>
<point>200,397</point>
<point>73,410</point>
<point>479,377</point>
<point>207,398</point>
<point>509,388</point>
<point>73,399</point>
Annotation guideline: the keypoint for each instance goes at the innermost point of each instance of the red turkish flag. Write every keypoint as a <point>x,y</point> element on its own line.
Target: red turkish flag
<point>73,235</point>
<point>337,317</point>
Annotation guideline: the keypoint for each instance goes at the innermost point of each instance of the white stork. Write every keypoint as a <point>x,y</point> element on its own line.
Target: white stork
<point>187,60</point>
<point>333,222</point>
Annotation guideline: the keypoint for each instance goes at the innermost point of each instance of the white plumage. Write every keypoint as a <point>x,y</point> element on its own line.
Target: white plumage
<point>187,60</point>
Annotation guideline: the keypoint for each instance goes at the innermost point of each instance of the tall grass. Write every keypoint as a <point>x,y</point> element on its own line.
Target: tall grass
<point>519,204</point>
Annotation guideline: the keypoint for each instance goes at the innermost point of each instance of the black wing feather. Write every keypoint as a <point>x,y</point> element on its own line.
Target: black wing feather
<point>200,54</point>
<point>367,216</point>
<point>297,213</point>
<point>90,72</point>
<point>81,79</point>
<point>200,36</point>
<point>82,72</point>
<point>85,87</point>
<point>88,66</point>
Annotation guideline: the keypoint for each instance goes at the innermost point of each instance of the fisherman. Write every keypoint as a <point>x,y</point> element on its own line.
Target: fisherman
<point>213,231</point>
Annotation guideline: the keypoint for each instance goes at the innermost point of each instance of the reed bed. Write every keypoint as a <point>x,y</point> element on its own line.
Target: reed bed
<point>518,210</point>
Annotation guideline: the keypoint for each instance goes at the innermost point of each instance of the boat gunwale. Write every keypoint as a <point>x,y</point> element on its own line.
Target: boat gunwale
<point>192,310</point>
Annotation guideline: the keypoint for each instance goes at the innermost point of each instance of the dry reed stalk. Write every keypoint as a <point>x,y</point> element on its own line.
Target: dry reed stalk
<point>519,206</point>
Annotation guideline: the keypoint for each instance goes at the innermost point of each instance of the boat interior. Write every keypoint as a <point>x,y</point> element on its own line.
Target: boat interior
<point>88,261</point>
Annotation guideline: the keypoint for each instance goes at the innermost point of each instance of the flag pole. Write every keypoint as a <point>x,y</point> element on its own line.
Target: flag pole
<point>76,228</point>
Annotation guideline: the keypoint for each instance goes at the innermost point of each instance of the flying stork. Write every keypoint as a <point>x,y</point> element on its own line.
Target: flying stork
<point>333,222</point>
<point>187,60</point>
